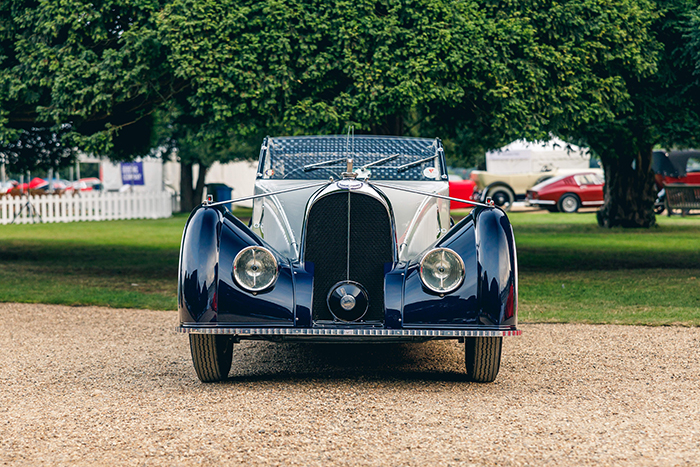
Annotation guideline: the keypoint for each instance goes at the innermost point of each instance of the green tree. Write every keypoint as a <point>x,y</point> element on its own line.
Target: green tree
<point>211,76</point>
<point>97,66</point>
<point>661,108</point>
<point>37,148</point>
<point>620,76</point>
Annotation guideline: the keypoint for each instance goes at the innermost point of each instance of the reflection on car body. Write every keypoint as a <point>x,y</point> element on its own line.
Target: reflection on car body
<point>350,240</point>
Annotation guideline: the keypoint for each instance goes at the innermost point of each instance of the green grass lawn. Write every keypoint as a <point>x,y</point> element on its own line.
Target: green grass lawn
<point>570,270</point>
<point>114,263</point>
<point>573,271</point>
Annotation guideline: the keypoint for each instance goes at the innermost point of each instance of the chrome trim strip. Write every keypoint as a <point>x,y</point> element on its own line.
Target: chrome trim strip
<point>347,332</point>
<point>425,193</point>
<point>540,201</point>
<point>586,203</point>
<point>272,193</point>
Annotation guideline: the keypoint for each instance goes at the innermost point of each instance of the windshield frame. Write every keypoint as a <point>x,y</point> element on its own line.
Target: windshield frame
<point>322,157</point>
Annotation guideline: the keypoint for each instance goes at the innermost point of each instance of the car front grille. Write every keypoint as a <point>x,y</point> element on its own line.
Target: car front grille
<point>358,254</point>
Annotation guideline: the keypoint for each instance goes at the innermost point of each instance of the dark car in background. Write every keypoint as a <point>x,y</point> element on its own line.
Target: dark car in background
<point>672,168</point>
<point>676,167</point>
<point>568,193</point>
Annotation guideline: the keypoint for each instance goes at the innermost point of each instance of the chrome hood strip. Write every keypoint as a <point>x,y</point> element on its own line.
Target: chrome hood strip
<point>418,192</point>
<point>272,193</point>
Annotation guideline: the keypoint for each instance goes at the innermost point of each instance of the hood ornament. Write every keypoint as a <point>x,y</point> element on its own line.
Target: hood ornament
<point>349,181</point>
<point>349,173</point>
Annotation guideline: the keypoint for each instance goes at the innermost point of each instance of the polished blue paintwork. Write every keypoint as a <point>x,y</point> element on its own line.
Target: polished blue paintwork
<point>304,282</point>
<point>224,300</point>
<point>208,294</point>
<point>484,240</point>
<point>198,268</point>
<point>425,307</point>
<point>393,297</point>
<point>495,249</point>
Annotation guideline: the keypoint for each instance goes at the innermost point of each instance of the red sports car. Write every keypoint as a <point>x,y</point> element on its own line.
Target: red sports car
<point>567,193</point>
<point>462,189</point>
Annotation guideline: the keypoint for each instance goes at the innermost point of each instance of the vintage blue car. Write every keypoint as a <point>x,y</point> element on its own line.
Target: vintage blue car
<point>350,240</point>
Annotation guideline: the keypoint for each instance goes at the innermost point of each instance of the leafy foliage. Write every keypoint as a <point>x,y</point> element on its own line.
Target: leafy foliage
<point>662,107</point>
<point>37,148</point>
<point>211,76</point>
<point>97,66</point>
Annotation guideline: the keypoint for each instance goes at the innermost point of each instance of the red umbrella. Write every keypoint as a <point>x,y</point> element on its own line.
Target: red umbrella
<point>37,183</point>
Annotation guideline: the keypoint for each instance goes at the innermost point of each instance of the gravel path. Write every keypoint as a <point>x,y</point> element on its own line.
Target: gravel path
<point>95,386</point>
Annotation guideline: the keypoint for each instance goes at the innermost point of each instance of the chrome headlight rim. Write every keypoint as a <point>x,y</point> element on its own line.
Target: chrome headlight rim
<point>454,286</point>
<point>269,284</point>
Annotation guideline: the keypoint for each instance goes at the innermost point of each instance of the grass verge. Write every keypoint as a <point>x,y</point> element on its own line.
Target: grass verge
<point>113,263</point>
<point>570,270</point>
<point>573,271</point>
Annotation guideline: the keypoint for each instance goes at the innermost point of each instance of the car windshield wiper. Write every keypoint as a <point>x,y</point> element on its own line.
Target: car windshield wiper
<point>401,168</point>
<point>319,165</point>
<point>380,161</point>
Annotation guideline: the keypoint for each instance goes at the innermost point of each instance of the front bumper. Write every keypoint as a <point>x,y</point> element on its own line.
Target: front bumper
<point>262,333</point>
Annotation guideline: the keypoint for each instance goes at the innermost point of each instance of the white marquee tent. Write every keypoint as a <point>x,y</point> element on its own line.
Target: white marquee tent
<point>523,156</point>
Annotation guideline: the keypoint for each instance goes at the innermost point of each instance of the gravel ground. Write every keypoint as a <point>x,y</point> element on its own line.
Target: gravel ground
<point>106,386</point>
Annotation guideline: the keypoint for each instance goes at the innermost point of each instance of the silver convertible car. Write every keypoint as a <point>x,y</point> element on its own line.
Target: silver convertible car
<point>350,240</point>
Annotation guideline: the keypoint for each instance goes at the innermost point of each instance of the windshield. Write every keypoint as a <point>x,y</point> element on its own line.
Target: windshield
<point>547,182</point>
<point>376,157</point>
<point>589,179</point>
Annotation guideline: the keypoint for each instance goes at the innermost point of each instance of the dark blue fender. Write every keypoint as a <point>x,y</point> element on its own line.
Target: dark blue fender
<point>497,268</point>
<point>207,292</point>
<point>488,295</point>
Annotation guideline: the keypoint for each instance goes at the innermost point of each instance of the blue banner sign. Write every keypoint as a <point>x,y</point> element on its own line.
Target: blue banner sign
<point>132,173</point>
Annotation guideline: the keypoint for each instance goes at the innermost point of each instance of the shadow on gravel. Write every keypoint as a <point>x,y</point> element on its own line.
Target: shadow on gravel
<point>361,376</point>
<point>430,361</point>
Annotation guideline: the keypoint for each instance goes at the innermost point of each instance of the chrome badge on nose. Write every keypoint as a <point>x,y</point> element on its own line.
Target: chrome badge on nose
<point>348,301</point>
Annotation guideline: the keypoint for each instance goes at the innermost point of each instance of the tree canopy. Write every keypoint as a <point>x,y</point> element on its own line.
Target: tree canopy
<point>211,76</point>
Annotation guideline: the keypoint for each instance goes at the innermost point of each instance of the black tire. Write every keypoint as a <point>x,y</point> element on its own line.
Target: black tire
<point>211,356</point>
<point>482,356</point>
<point>502,196</point>
<point>569,203</point>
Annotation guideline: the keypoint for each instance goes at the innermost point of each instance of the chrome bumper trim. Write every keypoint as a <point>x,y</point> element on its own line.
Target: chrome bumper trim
<point>245,332</point>
<point>533,202</point>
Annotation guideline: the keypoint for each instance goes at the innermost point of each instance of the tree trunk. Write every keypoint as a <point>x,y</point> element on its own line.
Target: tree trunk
<point>191,195</point>
<point>629,190</point>
<point>186,191</point>
<point>199,189</point>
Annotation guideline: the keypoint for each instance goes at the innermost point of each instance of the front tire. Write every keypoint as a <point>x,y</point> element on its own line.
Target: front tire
<point>569,203</point>
<point>502,197</point>
<point>482,356</point>
<point>211,356</point>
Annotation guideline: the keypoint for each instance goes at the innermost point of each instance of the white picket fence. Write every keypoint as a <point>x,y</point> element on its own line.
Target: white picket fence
<point>85,206</point>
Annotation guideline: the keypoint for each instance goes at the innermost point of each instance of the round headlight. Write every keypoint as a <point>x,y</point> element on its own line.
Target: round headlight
<point>442,270</point>
<point>255,268</point>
